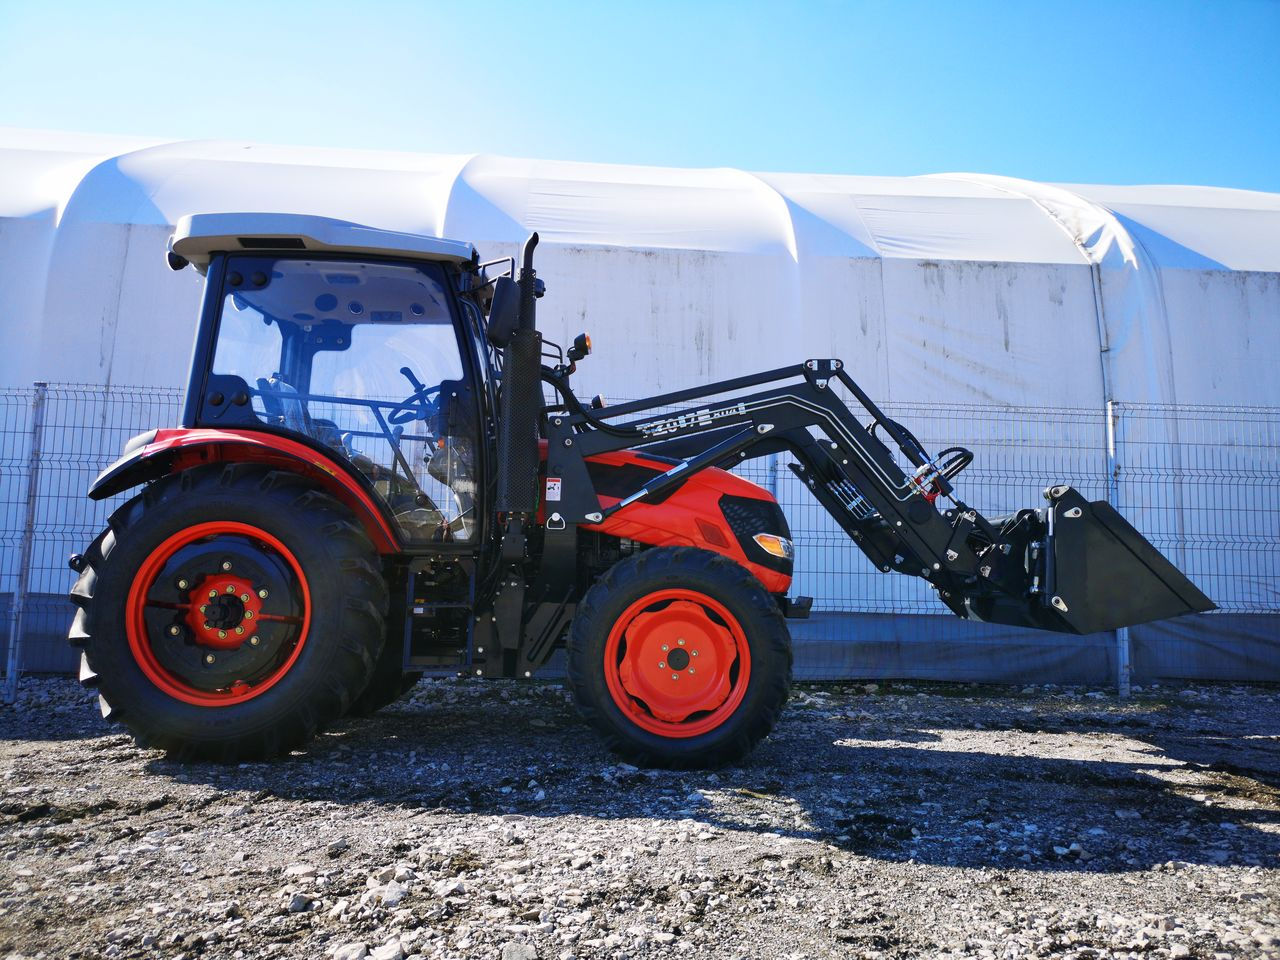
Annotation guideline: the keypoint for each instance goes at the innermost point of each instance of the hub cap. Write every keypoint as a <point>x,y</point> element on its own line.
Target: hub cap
<point>218,613</point>
<point>677,663</point>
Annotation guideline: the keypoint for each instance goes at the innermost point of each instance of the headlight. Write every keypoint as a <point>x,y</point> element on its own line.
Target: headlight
<point>777,546</point>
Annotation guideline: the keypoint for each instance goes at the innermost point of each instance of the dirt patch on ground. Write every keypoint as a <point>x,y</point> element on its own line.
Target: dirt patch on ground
<point>482,819</point>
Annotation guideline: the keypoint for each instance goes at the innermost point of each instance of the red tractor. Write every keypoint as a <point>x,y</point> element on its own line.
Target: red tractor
<point>370,484</point>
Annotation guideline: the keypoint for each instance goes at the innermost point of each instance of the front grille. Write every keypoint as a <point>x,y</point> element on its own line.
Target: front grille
<point>746,517</point>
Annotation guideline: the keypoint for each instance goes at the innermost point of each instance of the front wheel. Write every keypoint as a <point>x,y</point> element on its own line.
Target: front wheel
<point>680,658</point>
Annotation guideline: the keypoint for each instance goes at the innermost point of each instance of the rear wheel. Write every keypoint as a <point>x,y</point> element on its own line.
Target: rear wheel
<point>229,613</point>
<point>389,681</point>
<point>388,684</point>
<point>680,658</point>
<point>384,689</point>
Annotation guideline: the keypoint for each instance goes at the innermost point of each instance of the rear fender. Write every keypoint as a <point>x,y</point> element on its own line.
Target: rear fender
<point>161,453</point>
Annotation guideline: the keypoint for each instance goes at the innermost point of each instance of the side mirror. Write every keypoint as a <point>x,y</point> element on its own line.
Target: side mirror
<point>504,311</point>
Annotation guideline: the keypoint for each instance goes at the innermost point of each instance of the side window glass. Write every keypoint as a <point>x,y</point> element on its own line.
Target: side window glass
<point>364,359</point>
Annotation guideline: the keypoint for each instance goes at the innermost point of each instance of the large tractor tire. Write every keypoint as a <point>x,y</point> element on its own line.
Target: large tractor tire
<point>229,613</point>
<point>679,658</point>
<point>389,681</point>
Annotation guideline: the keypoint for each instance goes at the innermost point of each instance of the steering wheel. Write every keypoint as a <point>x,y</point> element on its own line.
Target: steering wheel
<point>418,405</point>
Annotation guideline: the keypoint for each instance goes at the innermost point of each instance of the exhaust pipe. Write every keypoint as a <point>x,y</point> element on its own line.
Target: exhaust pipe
<point>521,407</point>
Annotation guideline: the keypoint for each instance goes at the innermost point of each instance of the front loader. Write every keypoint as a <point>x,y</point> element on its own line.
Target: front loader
<point>383,471</point>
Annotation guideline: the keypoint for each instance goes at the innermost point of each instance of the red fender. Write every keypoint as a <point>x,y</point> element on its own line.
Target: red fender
<point>175,450</point>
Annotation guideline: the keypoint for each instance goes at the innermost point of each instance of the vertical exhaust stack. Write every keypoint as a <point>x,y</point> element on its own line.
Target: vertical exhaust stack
<point>522,403</point>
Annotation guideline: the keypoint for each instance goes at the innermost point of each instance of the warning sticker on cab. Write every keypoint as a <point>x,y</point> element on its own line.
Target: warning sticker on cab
<point>553,488</point>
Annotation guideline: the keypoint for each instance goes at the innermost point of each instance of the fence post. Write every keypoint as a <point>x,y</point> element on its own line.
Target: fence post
<point>23,585</point>
<point>1123,669</point>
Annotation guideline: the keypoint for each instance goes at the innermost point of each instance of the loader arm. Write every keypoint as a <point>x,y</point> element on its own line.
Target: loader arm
<point>1069,566</point>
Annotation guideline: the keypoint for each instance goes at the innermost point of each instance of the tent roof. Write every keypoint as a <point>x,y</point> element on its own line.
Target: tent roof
<point>485,199</point>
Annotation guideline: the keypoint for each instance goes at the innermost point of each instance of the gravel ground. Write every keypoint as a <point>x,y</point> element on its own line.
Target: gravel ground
<point>482,819</point>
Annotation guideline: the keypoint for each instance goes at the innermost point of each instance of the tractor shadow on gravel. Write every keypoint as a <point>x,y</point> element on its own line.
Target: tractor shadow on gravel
<point>888,788</point>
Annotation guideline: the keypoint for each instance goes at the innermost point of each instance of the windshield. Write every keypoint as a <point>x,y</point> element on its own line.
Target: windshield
<point>364,359</point>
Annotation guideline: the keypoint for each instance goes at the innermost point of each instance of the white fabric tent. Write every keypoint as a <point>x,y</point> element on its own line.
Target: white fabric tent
<point>951,287</point>
<point>947,289</point>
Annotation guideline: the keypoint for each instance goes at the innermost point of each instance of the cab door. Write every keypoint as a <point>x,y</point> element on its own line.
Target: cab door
<point>364,358</point>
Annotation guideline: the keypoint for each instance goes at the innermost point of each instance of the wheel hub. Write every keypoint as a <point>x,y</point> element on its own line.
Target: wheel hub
<point>224,611</point>
<point>677,663</point>
<point>218,613</point>
<point>656,667</point>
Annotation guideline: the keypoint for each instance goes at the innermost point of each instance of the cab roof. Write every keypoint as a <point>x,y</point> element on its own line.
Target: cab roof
<point>198,236</point>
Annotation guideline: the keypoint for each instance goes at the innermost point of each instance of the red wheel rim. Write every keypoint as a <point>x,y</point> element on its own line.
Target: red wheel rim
<point>677,663</point>
<point>218,613</point>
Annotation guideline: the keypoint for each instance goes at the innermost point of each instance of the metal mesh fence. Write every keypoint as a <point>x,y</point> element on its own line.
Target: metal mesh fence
<point>64,436</point>
<point>15,457</point>
<point>1202,483</point>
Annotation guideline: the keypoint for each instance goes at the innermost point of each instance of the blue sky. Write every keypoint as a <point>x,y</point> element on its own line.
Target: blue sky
<point>1160,92</point>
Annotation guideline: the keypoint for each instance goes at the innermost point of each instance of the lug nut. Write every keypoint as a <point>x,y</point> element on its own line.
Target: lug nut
<point>208,658</point>
<point>222,634</point>
<point>213,594</point>
<point>262,594</point>
<point>664,648</point>
<point>204,607</point>
<point>681,641</point>
<point>239,631</point>
<point>208,625</point>
<point>226,564</point>
<point>691,669</point>
<point>248,614</point>
<point>244,598</point>
<point>693,653</point>
<point>254,641</point>
<point>662,664</point>
<point>675,676</point>
<point>231,588</point>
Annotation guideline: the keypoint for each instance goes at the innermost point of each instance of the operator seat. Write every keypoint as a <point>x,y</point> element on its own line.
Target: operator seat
<point>282,403</point>
<point>286,408</point>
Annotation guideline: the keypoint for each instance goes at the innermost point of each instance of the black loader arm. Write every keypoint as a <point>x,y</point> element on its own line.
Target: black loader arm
<point>1070,566</point>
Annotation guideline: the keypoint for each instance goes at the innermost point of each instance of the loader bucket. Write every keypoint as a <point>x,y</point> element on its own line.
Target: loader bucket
<point>1102,574</point>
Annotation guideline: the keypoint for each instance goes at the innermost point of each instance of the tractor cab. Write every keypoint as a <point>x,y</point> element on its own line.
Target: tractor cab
<point>365,344</point>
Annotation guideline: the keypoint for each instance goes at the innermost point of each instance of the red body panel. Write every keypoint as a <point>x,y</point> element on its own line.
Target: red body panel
<point>191,448</point>
<point>690,517</point>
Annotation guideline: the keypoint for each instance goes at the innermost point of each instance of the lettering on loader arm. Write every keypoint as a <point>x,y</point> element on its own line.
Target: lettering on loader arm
<point>658,428</point>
